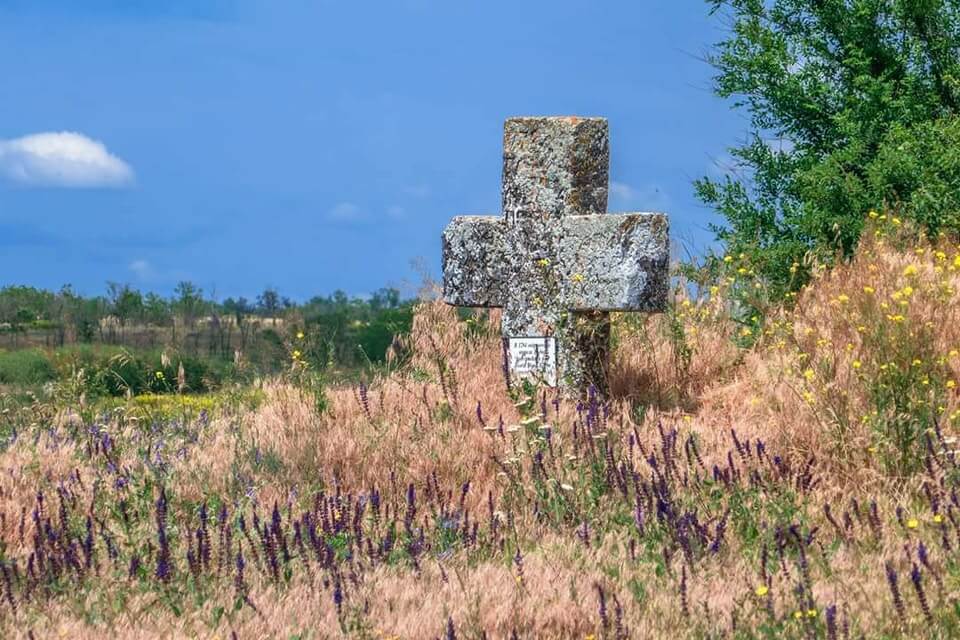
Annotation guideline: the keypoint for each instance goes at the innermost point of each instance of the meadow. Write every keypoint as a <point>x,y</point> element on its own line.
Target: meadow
<point>762,469</point>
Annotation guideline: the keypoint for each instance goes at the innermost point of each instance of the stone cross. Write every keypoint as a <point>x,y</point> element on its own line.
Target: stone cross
<point>556,262</point>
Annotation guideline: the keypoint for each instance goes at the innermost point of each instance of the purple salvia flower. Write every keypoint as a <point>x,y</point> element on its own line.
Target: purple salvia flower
<point>505,364</point>
<point>917,579</point>
<point>338,595</point>
<point>620,631</point>
<point>411,509</point>
<point>365,400</point>
<point>721,531</point>
<point>164,569</point>
<point>88,544</point>
<point>134,567</point>
<point>602,607</point>
<point>831,615</point>
<point>239,582</point>
<point>895,592</point>
<point>8,585</point>
<point>684,605</point>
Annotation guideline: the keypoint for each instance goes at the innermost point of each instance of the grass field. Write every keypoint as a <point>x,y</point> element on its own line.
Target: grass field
<point>793,477</point>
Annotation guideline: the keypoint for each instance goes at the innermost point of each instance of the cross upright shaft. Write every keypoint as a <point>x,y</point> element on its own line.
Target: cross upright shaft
<point>555,262</point>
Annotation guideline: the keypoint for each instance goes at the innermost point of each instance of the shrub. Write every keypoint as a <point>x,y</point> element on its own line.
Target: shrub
<point>26,368</point>
<point>853,106</point>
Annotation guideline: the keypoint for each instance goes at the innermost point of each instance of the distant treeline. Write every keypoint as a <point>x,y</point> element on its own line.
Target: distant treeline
<point>335,330</point>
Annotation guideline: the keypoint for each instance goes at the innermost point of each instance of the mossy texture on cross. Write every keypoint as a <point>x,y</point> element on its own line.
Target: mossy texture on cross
<point>555,261</point>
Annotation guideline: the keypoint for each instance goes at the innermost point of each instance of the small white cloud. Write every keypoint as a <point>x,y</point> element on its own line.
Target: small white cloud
<point>647,197</point>
<point>64,159</point>
<point>621,192</point>
<point>345,212</point>
<point>142,269</point>
<point>396,212</point>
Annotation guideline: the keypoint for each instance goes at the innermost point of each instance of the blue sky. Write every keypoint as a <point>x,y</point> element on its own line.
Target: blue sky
<point>315,145</point>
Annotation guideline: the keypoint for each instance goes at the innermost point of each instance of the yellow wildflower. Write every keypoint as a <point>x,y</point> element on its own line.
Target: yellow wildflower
<point>868,289</point>
<point>938,518</point>
<point>857,364</point>
<point>843,298</point>
<point>895,221</point>
<point>809,374</point>
<point>543,262</point>
<point>811,613</point>
<point>299,335</point>
<point>873,214</point>
<point>728,259</point>
<point>797,615</point>
<point>951,384</point>
<point>578,277</point>
<point>762,590</point>
<point>913,523</point>
<point>911,270</point>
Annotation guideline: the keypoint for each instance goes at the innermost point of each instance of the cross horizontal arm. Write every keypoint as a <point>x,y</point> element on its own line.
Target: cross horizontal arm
<point>474,261</point>
<point>614,262</point>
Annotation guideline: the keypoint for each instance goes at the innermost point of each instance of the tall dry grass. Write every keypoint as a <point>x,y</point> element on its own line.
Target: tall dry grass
<point>433,422</point>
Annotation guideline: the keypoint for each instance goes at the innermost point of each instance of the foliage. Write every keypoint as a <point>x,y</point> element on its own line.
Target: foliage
<point>25,368</point>
<point>344,333</point>
<point>853,106</point>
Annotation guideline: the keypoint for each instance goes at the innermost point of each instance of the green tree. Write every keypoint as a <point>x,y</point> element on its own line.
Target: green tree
<point>269,302</point>
<point>126,303</point>
<point>849,103</point>
<point>188,302</point>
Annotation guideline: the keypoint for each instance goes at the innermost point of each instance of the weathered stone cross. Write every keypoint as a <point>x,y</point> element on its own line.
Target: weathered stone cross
<point>556,262</point>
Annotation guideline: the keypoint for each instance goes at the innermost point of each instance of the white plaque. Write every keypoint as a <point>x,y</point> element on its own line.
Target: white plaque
<point>534,357</point>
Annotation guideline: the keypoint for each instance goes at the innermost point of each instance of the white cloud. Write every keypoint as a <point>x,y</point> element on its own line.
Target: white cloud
<point>142,269</point>
<point>647,197</point>
<point>345,212</point>
<point>620,192</point>
<point>64,159</point>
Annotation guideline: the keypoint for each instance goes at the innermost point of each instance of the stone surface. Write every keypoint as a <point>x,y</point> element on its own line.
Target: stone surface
<point>555,262</point>
<point>611,262</point>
